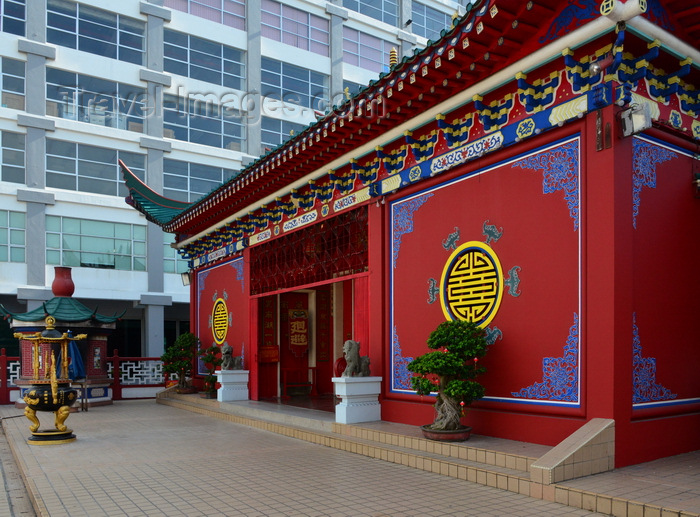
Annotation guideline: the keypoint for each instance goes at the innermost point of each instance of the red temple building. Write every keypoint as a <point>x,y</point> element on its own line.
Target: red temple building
<point>535,170</point>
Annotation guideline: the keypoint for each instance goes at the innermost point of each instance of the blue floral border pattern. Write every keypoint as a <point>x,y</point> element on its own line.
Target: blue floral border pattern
<point>201,282</point>
<point>572,16</point>
<point>402,377</point>
<point>559,374</point>
<point>646,157</point>
<point>659,15</point>
<point>238,266</point>
<point>403,222</point>
<point>644,385</point>
<point>560,167</point>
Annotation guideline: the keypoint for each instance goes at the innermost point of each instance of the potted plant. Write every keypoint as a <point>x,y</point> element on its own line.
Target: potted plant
<point>211,357</point>
<point>177,359</point>
<point>450,370</point>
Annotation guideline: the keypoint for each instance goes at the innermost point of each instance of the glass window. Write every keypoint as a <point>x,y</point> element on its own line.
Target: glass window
<point>95,101</point>
<point>365,51</point>
<point>351,89</point>
<point>275,131</point>
<point>12,236</point>
<point>12,83</point>
<point>429,22</point>
<point>203,60</point>
<point>293,84</point>
<point>202,121</point>
<point>97,244</point>
<point>13,16</point>
<point>186,181</point>
<point>172,263</point>
<point>295,27</point>
<point>382,10</point>
<point>88,168</point>
<point>226,12</point>
<point>12,157</point>
<point>96,31</point>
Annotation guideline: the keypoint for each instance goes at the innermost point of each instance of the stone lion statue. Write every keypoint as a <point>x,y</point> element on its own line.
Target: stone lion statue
<point>228,361</point>
<point>356,365</point>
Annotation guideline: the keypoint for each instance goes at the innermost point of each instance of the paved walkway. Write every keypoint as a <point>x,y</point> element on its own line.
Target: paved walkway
<point>139,458</point>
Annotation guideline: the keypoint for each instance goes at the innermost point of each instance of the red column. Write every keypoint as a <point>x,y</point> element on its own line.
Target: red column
<point>116,385</point>
<point>4,389</point>
<point>377,311</point>
<point>252,357</point>
<point>607,325</point>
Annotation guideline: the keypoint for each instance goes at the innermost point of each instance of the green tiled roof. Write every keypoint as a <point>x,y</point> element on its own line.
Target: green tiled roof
<point>157,209</point>
<point>64,309</point>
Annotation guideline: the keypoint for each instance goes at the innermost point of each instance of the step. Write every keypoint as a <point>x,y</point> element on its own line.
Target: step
<point>484,460</point>
<point>494,468</point>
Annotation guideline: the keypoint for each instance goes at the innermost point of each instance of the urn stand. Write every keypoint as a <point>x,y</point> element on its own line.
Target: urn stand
<point>59,398</point>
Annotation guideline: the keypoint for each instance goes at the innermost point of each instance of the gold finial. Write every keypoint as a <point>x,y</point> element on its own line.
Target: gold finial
<point>346,91</point>
<point>393,57</point>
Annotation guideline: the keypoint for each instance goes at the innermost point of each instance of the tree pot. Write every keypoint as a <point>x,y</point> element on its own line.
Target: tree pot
<point>186,390</point>
<point>440,435</point>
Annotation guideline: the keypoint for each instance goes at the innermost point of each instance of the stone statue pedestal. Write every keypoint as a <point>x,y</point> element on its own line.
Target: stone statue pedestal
<point>359,399</point>
<point>234,385</point>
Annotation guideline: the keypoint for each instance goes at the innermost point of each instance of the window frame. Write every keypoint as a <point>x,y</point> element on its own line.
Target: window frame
<point>283,87</point>
<point>383,13</point>
<point>92,34</point>
<point>279,21</point>
<point>77,170</point>
<point>423,14</point>
<point>67,247</point>
<point>192,55</point>
<point>13,236</point>
<point>190,177</point>
<point>231,13</point>
<point>7,164</point>
<point>364,46</point>
<point>13,23</point>
<point>123,108</point>
<point>187,123</point>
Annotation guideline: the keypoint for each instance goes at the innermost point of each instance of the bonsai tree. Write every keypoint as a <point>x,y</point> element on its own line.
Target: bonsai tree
<point>178,357</point>
<point>211,357</point>
<point>450,369</point>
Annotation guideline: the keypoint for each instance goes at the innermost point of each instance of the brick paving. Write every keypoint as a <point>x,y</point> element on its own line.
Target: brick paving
<point>139,458</point>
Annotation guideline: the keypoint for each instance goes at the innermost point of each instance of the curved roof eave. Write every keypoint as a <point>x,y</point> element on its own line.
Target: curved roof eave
<point>157,209</point>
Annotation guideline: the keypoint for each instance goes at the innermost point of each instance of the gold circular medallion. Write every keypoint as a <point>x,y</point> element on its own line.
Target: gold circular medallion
<point>219,321</point>
<point>472,284</point>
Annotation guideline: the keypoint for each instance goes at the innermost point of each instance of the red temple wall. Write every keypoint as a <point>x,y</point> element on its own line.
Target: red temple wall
<point>662,330</point>
<point>224,283</point>
<point>530,216</point>
<point>602,242</point>
<point>565,350</point>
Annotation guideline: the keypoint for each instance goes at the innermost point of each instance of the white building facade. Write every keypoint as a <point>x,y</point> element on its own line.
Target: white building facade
<point>185,92</point>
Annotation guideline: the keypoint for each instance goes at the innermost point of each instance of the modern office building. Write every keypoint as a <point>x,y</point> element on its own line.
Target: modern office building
<point>185,92</point>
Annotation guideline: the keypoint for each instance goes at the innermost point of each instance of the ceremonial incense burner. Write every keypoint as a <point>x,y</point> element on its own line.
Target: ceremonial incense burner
<point>51,393</point>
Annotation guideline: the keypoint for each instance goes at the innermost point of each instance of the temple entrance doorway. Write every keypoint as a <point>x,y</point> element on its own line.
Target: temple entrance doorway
<point>300,339</point>
<point>308,295</point>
